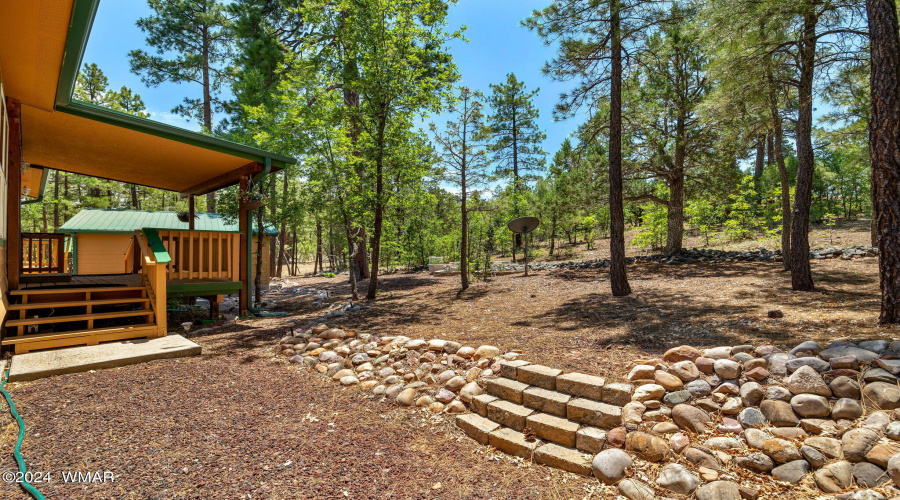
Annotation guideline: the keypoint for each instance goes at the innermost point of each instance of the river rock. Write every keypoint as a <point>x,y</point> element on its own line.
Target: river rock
<point>806,380</point>
<point>810,406</point>
<point>719,490</point>
<point>727,369</point>
<point>779,413</point>
<point>863,355</point>
<point>690,418</point>
<point>845,387</point>
<point>752,394</point>
<point>856,443</point>
<point>884,395</point>
<point>681,353</point>
<point>609,465</point>
<point>685,370</point>
<point>647,446</point>
<point>677,478</point>
<point>846,408</point>
<point>756,462</point>
<point>869,475</point>
<point>834,477</point>
<point>791,472</point>
<point>751,417</point>
<point>633,489</point>
<point>781,450</point>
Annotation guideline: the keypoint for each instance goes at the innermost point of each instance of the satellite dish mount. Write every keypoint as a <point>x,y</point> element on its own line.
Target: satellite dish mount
<point>523,226</point>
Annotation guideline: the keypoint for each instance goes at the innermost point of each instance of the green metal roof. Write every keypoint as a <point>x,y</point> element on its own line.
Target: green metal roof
<point>100,220</point>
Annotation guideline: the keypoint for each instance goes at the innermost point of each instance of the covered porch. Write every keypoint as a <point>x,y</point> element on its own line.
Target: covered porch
<point>45,303</point>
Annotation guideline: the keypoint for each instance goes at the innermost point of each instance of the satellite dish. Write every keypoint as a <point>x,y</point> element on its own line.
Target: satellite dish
<point>524,225</point>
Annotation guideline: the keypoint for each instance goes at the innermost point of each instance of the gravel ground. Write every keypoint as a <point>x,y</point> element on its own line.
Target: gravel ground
<point>569,319</point>
<point>239,423</point>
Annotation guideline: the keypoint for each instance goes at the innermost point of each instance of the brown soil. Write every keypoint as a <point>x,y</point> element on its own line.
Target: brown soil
<point>239,422</point>
<point>569,318</point>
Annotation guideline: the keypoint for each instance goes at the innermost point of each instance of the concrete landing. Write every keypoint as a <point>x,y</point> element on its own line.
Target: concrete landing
<point>35,365</point>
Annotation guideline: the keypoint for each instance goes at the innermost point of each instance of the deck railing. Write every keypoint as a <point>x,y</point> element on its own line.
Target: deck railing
<point>202,254</point>
<point>154,260</point>
<point>44,253</point>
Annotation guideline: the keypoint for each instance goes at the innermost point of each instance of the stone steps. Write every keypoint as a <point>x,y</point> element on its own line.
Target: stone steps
<point>566,413</point>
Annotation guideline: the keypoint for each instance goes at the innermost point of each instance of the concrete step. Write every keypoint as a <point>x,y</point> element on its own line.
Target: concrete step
<point>480,402</point>
<point>538,375</point>
<point>509,368</point>
<point>581,385</point>
<point>551,402</point>
<point>593,413</point>
<point>507,389</point>
<point>508,414</point>
<point>512,443</point>
<point>552,428</point>
<point>35,365</point>
<point>564,458</point>
<point>476,426</point>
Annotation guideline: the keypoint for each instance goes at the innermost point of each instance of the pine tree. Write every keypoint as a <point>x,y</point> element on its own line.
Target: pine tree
<point>463,157</point>
<point>515,135</point>
<point>91,85</point>
<point>198,33</point>
<point>592,37</point>
<point>884,148</point>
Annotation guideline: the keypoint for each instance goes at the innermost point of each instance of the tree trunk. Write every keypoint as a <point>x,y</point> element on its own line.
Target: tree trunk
<point>135,202</point>
<point>884,149</point>
<point>783,175</point>
<point>318,261</point>
<point>379,207</point>
<point>207,107</point>
<point>617,275</point>
<point>760,160</point>
<point>801,274</point>
<point>56,223</point>
<point>675,215</point>
<point>283,234</point>
<point>464,243</point>
<point>257,276</point>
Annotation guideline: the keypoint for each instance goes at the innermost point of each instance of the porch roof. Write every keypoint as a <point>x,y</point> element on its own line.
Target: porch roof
<point>100,220</point>
<point>41,48</point>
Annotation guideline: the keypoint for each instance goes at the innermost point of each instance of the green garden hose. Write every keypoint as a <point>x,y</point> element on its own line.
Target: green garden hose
<point>31,490</point>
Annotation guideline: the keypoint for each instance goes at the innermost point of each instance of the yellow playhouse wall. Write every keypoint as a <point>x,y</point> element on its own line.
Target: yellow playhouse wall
<point>101,253</point>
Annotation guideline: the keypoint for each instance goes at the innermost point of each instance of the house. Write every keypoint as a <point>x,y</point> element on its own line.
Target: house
<point>42,128</point>
<point>101,238</point>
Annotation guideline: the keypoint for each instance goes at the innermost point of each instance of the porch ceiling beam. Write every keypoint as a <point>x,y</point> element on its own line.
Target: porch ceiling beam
<point>224,180</point>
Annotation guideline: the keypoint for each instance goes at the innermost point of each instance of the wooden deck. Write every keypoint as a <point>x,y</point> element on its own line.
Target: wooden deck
<point>177,287</point>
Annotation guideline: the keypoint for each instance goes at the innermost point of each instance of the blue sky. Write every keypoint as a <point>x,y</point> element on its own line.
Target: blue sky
<point>497,45</point>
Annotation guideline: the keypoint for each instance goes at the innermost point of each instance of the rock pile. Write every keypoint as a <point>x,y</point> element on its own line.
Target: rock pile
<point>694,256</point>
<point>438,374</point>
<point>713,423</point>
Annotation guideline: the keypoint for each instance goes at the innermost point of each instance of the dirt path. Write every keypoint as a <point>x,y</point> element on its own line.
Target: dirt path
<point>238,423</point>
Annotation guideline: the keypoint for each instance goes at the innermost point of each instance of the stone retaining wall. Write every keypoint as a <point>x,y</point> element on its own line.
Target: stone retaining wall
<point>718,423</point>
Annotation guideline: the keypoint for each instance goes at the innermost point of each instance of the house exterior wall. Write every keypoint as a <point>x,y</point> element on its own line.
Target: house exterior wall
<point>101,253</point>
<point>4,182</point>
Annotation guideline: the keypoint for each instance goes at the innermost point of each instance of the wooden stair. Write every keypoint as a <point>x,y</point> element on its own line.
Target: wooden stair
<point>77,316</point>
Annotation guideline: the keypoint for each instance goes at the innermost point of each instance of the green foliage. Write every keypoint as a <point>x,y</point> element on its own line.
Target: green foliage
<point>703,215</point>
<point>515,135</point>
<point>328,275</point>
<point>653,226</point>
<point>192,44</point>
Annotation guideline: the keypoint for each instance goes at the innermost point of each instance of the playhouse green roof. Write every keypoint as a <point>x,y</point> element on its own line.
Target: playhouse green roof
<point>99,220</point>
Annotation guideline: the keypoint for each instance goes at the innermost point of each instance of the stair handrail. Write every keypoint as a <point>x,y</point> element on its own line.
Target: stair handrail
<point>128,254</point>
<point>154,274</point>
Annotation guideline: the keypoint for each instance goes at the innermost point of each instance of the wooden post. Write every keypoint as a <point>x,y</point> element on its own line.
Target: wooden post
<point>191,212</point>
<point>13,195</point>
<point>243,226</point>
